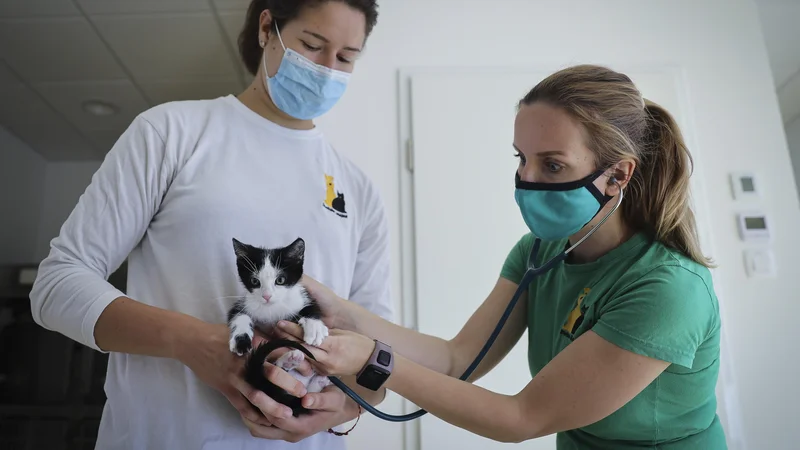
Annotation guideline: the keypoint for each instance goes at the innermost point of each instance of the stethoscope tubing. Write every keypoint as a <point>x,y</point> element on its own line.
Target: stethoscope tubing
<point>530,274</point>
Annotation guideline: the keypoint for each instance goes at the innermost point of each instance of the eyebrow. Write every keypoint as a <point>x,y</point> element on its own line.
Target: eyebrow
<point>324,39</point>
<point>543,154</point>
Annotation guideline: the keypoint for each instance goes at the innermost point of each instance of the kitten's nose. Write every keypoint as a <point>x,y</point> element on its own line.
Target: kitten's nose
<point>266,297</point>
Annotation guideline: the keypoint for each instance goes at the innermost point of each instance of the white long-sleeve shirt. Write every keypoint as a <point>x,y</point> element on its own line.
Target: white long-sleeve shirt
<point>184,179</point>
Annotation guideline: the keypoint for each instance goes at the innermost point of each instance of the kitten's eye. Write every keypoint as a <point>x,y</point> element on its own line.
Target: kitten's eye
<point>280,281</point>
<point>255,282</point>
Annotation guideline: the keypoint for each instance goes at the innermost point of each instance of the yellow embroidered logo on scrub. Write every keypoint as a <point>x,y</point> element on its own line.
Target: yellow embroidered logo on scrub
<point>575,317</point>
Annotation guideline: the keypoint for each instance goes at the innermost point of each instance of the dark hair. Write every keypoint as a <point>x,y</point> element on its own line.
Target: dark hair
<point>619,123</point>
<point>284,11</point>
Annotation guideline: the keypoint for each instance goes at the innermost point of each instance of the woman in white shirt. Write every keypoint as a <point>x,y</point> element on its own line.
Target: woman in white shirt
<point>181,182</point>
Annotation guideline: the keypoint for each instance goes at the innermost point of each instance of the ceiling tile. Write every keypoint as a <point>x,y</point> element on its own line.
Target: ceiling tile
<point>56,142</point>
<point>103,140</point>
<point>8,79</point>
<point>162,92</point>
<point>227,5</point>
<point>232,22</point>
<point>68,98</point>
<point>24,113</point>
<point>37,8</point>
<point>142,6</point>
<point>186,45</point>
<point>56,50</point>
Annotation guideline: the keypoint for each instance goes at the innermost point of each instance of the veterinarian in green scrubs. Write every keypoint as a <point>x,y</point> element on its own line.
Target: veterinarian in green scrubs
<point>623,334</point>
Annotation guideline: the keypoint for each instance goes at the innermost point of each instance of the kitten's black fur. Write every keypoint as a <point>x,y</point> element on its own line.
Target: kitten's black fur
<point>296,304</point>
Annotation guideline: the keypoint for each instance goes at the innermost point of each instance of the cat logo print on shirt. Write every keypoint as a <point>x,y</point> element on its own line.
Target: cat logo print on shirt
<point>334,200</point>
<point>575,317</point>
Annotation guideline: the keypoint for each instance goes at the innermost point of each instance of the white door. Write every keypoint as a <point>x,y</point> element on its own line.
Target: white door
<point>459,215</point>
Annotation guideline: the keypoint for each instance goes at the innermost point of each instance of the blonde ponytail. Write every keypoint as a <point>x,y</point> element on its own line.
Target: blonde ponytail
<point>663,202</point>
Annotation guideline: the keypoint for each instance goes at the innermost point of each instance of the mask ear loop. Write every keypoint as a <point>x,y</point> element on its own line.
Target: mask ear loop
<point>594,228</point>
<point>264,57</point>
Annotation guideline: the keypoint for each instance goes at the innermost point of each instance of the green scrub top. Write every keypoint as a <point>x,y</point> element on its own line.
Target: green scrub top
<point>647,299</point>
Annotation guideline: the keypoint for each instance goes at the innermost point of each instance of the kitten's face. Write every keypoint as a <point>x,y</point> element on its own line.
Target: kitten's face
<point>271,276</point>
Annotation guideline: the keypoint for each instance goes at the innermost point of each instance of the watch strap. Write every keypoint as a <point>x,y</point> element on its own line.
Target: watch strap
<point>382,356</point>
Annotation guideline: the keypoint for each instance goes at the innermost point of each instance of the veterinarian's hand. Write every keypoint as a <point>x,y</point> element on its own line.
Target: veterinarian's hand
<point>205,350</point>
<point>342,353</point>
<point>329,409</point>
<point>332,306</point>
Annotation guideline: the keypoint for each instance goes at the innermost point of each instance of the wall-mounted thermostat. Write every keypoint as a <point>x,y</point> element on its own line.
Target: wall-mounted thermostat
<point>753,226</point>
<point>744,185</point>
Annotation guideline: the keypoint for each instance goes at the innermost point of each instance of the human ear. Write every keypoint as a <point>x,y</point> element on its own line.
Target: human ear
<point>265,27</point>
<point>619,176</point>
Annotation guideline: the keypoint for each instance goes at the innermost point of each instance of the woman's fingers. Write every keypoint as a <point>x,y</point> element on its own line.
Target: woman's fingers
<point>284,380</point>
<point>290,330</point>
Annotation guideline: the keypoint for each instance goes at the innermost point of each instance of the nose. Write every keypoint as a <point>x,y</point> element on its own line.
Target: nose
<point>266,297</point>
<point>527,175</point>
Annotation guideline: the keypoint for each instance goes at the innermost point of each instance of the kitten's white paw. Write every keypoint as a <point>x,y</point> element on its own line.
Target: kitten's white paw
<point>290,360</point>
<point>314,331</point>
<point>318,383</point>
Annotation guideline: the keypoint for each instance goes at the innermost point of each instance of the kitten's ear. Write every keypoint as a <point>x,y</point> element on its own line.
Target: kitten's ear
<point>296,250</point>
<point>239,248</point>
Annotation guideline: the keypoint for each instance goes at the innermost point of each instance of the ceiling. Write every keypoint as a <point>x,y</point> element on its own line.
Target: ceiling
<point>134,54</point>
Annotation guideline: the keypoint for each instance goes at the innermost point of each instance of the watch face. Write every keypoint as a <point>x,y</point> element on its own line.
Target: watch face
<point>372,376</point>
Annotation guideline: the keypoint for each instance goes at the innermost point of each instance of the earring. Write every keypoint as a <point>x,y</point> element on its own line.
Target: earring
<point>261,43</point>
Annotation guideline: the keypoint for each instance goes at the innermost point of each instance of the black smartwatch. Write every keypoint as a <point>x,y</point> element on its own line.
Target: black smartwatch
<point>378,368</point>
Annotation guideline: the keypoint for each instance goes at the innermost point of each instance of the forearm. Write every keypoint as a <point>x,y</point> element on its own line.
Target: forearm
<point>429,351</point>
<point>128,326</point>
<point>475,409</point>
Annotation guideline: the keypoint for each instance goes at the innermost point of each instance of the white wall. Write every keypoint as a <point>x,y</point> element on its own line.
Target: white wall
<point>793,138</point>
<point>719,45</point>
<point>64,184</point>
<point>22,173</point>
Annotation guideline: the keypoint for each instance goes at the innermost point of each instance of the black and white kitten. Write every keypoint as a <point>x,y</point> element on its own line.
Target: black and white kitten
<point>272,280</point>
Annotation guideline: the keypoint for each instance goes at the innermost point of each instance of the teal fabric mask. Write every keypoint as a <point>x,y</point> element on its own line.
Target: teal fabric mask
<point>555,211</point>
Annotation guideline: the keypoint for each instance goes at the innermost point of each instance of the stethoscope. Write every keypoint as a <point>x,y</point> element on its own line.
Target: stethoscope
<point>531,273</point>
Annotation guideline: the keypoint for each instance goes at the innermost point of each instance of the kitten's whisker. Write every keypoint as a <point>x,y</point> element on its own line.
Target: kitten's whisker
<point>250,263</point>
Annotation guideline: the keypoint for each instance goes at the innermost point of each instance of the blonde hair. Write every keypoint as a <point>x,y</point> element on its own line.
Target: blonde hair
<point>620,124</point>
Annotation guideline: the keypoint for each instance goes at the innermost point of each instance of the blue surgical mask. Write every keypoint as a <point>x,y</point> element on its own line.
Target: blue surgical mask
<point>301,88</point>
<point>555,211</point>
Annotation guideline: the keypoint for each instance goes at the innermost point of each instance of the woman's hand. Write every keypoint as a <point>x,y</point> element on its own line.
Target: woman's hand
<point>342,353</point>
<point>205,351</point>
<point>333,307</point>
